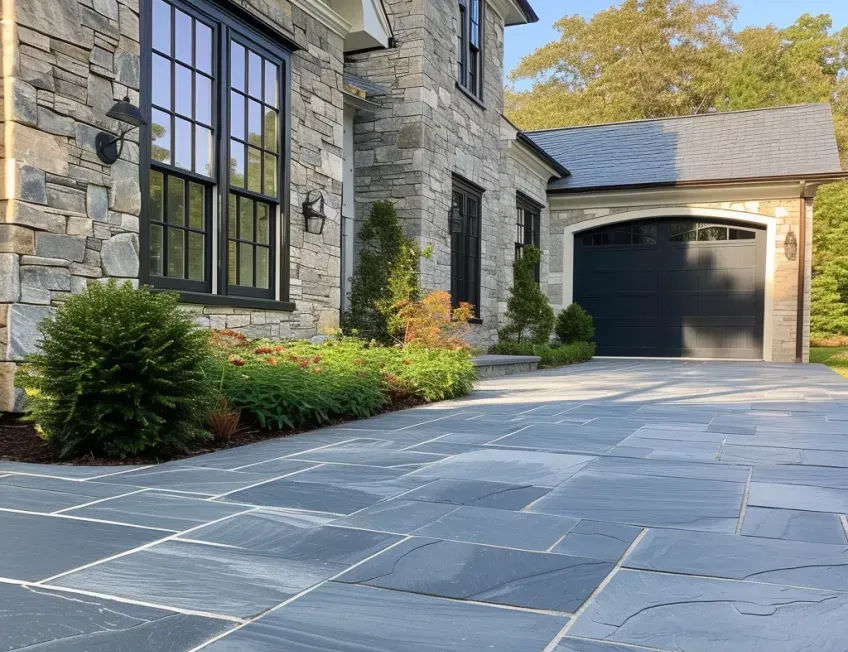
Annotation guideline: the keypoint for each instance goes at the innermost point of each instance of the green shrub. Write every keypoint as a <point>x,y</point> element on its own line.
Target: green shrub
<point>528,313</point>
<point>297,384</point>
<point>828,311</point>
<point>555,355</point>
<point>387,273</point>
<point>575,325</point>
<point>120,373</point>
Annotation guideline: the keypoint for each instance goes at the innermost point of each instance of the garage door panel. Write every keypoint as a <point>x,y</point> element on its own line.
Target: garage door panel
<point>604,284</point>
<point>619,259</point>
<point>634,307</point>
<point>674,298</point>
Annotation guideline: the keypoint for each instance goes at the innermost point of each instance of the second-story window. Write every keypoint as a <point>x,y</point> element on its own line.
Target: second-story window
<point>470,42</point>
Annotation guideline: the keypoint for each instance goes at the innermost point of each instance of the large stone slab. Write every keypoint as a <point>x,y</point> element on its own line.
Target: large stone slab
<point>794,563</point>
<point>811,438</point>
<point>320,497</point>
<point>653,501</point>
<point>497,527</point>
<point>569,644</point>
<point>34,547</point>
<point>795,496</point>
<point>597,436</point>
<point>217,580</point>
<point>670,469</point>
<point>63,470</point>
<point>774,455</point>
<point>793,525</point>
<point>368,456</point>
<point>164,511</point>
<point>598,540</point>
<point>692,614</point>
<point>478,493</point>
<point>24,336</point>
<point>664,449</point>
<point>209,482</point>
<point>398,516</point>
<point>368,619</point>
<point>483,574</point>
<point>295,535</point>
<point>833,478</point>
<point>52,621</point>
<point>35,494</point>
<point>512,467</point>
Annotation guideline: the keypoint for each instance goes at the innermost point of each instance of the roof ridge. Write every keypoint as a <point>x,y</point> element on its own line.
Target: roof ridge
<point>677,117</point>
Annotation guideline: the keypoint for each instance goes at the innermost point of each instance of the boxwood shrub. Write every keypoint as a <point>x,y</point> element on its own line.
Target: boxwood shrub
<point>555,355</point>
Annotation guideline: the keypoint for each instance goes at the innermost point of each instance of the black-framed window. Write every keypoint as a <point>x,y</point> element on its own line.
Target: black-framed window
<point>215,157</point>
<point>467,199</point>
<point>470,46</point>
<point>528,220</point>
<point>704,232</point>
<point>622,234</point>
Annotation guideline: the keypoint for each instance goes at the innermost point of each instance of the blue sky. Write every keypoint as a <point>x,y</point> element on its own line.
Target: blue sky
<point>526,38</point>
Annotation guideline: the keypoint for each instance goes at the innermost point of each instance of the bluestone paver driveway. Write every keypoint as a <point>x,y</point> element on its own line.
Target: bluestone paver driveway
<point>609,507</point>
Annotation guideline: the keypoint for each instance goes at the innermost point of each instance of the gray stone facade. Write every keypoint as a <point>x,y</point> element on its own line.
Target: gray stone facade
<point>66,219</point>
<point>426,130</point>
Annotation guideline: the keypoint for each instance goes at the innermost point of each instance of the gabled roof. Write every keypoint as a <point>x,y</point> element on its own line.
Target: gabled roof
<point>783,142</point>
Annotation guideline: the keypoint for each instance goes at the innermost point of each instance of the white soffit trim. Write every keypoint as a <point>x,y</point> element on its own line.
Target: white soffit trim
<point>676,196</point>
<point>681,211</point>
<point>526,157</point>
<point>325,15</point>
<point>509,11</point>
<point>369,24</point>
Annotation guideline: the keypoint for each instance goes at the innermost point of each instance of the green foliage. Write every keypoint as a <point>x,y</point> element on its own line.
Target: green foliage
<point>297,384</point>
<point>551,356</point>
<point>575,325</point>
<point>120,373</point>
<point>528,313</point>
<point>387,274</point>
<point>829,310</point>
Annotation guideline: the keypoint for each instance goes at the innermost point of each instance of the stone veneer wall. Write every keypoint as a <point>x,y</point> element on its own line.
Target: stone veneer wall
<point>66,219</point>
<point>787,214</point>
<point>425,130</point>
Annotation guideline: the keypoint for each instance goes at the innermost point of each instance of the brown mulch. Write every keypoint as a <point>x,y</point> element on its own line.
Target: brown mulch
<point>19,442</point>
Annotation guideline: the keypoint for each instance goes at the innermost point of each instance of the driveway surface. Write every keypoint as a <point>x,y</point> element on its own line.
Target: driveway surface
<point>614,506</point>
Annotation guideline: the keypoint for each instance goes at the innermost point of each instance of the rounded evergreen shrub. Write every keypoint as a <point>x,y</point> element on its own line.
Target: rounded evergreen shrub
<point>575,325</point>
<point>120,373</point>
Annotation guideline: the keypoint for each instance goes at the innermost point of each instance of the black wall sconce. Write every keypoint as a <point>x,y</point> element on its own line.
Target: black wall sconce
<point>107,145</point>
<point>790,246</point>
<point>314,217</point>
<point>455,219</point>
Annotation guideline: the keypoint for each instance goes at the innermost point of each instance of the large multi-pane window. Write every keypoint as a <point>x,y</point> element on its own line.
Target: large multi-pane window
<point>527,227</point>
<point>216,210</point>
<point>467,200</point>
<point>470,47</point>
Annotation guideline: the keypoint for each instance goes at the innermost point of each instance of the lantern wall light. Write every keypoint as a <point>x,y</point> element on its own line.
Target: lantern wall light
<point>790,246</point>
<point>313,213</point>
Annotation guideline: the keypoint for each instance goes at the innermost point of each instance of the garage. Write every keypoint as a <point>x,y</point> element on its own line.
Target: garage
<point>674,287</point>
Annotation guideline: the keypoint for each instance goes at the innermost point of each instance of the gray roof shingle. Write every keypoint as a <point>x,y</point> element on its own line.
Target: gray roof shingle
<point>779,142</point>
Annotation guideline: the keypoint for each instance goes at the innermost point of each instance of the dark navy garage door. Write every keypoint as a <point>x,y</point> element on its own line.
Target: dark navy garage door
<point>673,288</point>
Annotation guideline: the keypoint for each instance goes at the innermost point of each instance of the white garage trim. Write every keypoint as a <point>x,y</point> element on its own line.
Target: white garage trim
<point>680,211</point>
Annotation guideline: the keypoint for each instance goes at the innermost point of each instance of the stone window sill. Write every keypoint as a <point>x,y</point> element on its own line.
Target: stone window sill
<point>233,301</point>
<point>476,100</point>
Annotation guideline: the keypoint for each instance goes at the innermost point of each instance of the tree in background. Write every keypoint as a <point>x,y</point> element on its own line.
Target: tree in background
<point>661,58</point>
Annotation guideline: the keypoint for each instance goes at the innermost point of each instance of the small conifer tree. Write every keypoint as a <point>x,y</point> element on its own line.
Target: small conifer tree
<point>530,316</point>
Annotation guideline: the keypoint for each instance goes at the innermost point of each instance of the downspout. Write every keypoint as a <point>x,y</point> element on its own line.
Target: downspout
<point>802,268</point>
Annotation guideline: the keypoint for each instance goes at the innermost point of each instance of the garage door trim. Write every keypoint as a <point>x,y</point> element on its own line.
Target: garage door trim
<point>684,212</point>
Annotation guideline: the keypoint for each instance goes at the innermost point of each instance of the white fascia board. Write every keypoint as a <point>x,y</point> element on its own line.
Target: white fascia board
<point>527,157</point>
<point>326,15</point>
<point>675,196</point>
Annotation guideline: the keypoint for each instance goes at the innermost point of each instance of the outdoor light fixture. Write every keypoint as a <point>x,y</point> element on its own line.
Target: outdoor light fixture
<point>455,219</point>
<point>790,246</point>
<point>314,218</point>
<point>108,149</point>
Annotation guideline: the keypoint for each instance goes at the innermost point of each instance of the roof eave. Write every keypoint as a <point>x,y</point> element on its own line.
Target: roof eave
<point>819,177</point>
<point>543,155</point>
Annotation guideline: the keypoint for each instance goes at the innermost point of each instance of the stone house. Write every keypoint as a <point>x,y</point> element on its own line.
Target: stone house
<point>267,128</point>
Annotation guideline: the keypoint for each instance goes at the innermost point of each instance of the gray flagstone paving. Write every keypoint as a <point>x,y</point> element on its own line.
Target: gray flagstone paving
<point>615,506</point>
